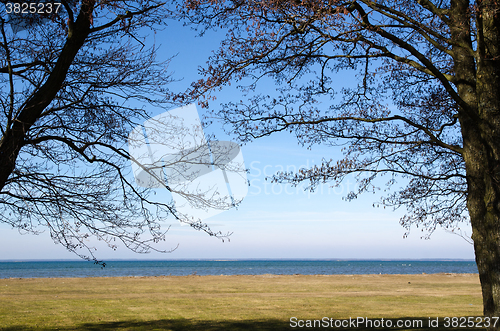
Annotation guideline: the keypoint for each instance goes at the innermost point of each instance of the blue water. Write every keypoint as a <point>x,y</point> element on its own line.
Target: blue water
<point>253,267</point>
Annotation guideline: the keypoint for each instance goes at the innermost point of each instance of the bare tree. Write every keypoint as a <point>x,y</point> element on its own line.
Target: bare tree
<point>75,82</point>
<point>425,109</point>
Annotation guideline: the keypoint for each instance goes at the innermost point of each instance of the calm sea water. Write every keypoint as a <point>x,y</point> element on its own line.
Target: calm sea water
<point>253,267</point>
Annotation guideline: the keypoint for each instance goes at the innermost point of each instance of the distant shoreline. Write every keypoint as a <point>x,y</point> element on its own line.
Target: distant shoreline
<point>243,260</point>
<point>440,274</point>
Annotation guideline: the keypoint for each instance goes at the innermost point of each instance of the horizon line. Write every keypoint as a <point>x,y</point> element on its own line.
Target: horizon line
<point>246,259</point>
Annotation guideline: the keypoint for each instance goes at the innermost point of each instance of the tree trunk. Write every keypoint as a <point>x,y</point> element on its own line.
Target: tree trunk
<point>483,202</point>
<point>484,183</point>
<point>478,84</point>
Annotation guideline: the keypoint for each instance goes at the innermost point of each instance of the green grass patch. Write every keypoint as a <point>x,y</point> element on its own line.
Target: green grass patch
<point>265,302</point>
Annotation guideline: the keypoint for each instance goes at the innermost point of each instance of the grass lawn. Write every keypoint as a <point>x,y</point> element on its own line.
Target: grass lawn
<point>264,302</point>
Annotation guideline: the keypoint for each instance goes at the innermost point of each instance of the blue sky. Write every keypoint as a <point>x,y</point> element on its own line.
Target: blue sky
<point>274,220</point>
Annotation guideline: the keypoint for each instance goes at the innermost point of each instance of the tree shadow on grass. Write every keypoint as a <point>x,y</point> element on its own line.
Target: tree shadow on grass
<point>262,324</point>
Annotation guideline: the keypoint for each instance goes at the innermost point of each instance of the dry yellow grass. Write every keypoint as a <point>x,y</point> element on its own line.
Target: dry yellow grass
<point>229,302</point>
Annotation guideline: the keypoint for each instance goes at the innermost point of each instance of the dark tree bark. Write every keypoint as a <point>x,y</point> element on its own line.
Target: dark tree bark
<point>481,136</point>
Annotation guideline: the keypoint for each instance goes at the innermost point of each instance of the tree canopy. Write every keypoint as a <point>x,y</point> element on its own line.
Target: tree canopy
<point>424,111</point>
<point>73,86</point>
